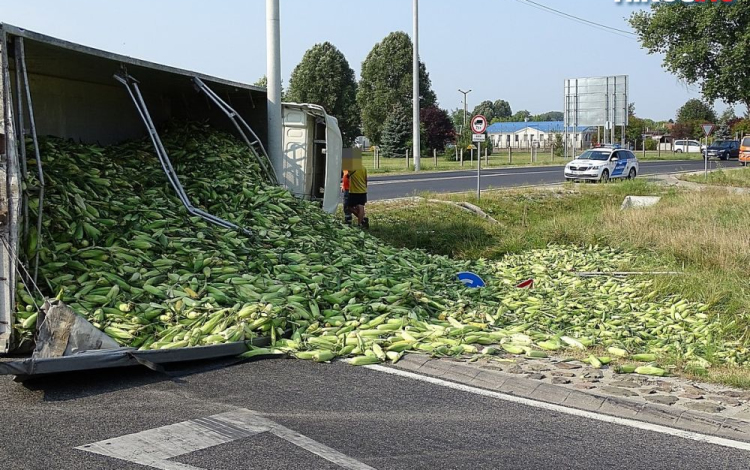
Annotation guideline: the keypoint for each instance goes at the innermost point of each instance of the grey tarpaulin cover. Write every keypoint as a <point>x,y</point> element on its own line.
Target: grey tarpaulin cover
<point>63,333</point>
<point>66,342</point>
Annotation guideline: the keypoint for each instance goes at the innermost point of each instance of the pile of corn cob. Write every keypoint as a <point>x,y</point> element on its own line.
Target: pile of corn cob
<point>119,248</point>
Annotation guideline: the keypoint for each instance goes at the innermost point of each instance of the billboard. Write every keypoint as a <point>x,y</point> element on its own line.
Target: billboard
<point>597,101</point>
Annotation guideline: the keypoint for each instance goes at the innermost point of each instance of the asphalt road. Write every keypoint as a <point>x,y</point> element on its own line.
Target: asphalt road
<point>389,187</point>
<point>379,420</point>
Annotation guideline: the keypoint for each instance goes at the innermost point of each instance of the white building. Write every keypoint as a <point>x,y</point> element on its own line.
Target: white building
<point>524,135</point>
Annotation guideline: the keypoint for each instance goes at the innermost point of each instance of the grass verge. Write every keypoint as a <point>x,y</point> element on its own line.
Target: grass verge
<point>735,177</point>
<point>704,235</point>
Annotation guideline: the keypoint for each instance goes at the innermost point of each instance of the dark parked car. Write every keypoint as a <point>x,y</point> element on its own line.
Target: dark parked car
<point>724,149</point>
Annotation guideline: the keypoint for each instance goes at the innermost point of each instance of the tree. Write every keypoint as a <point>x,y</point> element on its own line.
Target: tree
<point>559,145</point>
<point>438,128</point>
<point>520,116</point>
<point>683,130</point>
<point>262,82</point>
<point>636,126</point>
<point>397,132</point>
<point>497,111</point>
<point>741,127</point>
<point>550,116</point>
<point>502,109</point>
<point>486,108</point>
<point>324,77</point>
<point>634,131</point>
<point>708,46</point>
<point>457,116</point>
<point>387,82</point>
<point>696,110</point>
<point>726,121</point>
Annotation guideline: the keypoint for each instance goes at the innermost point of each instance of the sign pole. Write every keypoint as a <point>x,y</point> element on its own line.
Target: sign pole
<point>479,171</point>
<point>478,127</point>
<point>705,160</point>
<point>707,129</point>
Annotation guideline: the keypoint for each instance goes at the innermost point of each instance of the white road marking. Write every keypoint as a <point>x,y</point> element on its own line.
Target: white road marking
<point>154,448</point>
<point>694,436</point>
<point>491,175</point>
<point>474,177</point>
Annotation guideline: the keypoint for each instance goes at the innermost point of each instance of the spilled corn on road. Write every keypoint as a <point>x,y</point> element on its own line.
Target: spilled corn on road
<point>365,418</point>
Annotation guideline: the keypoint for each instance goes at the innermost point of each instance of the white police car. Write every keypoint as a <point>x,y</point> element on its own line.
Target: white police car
<point>602,164</point>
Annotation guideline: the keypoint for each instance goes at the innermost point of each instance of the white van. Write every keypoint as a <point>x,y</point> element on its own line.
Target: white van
<point>688,146</point>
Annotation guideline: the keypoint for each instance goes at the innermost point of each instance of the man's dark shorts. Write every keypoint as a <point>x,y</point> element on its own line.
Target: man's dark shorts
<point>357,199</point>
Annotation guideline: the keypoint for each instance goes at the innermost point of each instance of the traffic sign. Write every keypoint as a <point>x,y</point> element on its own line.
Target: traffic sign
<point>479,138</point>
<point>708,129</point>
<point>471,280</point>
<point>479,124</point>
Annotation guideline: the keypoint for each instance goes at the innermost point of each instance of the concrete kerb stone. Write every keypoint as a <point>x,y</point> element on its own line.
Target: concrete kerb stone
<point>490,380</point>
<point>735,427</point>
<point>621,407</point>
<point>629,408</point>
<point>456,369</point>
<point>700,423</point>
<point>584,401</point>
<point>550,394</point>
<point>413,362</point>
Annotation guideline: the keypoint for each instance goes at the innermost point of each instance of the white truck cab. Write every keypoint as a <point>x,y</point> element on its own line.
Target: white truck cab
<point>311,165</point>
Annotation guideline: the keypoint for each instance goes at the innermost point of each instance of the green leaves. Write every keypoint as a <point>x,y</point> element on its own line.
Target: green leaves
<point>707,44</point>
<point>396,133</point>
<point>696,110</point>
<point>324,77</point>
<point>386,82</point>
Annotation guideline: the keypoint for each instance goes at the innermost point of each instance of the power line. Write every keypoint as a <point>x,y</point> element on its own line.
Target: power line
<point>600,26</point>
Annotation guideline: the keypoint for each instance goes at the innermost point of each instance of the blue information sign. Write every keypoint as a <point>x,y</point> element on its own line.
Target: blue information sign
<point>471,280</point>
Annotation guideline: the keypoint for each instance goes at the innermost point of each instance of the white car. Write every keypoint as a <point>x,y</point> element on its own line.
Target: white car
<point>688,146</point>
<point>602,164</point>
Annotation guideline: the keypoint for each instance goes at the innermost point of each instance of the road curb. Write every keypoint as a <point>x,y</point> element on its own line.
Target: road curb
<point>521,386</point>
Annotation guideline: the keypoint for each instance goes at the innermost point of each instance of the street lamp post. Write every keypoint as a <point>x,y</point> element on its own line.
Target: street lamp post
<point>415,78</point>
<point>466,110</point>
<point>273,72</point>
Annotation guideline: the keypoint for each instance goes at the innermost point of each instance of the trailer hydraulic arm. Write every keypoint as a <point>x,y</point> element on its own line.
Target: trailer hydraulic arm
<point>131,84</point>
<point>255,146</point>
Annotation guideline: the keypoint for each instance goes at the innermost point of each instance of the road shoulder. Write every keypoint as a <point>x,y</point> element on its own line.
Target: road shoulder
<point>671,402</point>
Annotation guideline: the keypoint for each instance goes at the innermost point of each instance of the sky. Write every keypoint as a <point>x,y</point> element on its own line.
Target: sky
<point>500,49</point>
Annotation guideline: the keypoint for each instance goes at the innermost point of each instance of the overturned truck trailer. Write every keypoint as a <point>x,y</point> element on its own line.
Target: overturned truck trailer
<point>57,88</point>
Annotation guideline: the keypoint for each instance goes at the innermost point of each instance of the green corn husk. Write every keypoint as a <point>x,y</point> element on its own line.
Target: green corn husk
<point>121,250</point>
<point>646,370</point>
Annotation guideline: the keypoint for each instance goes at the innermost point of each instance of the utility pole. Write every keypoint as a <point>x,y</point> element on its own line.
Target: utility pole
<point>415,73</point>
<point>466,110</point>
<point>273,73</point>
